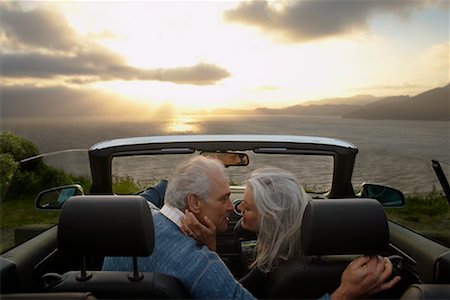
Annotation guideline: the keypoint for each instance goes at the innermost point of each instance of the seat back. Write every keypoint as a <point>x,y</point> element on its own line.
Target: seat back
<point>110,226</point>
<point>333,233</point>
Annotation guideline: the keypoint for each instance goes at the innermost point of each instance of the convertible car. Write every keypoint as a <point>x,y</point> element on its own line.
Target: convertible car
<point>94,203</point>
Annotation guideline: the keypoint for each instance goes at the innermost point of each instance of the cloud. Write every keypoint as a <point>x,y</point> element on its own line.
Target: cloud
<point>42,28</point>
<point>102,66</point>
<point>40,44</point>
<point>200,74</point>
<point>304,21</point>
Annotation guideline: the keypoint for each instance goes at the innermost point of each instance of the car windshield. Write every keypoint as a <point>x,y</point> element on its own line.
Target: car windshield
<point>314,172</point>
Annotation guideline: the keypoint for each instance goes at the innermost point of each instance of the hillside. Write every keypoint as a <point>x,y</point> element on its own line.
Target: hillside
<point>311,110</point>
<point>354,100</point>
<point>430,105</point>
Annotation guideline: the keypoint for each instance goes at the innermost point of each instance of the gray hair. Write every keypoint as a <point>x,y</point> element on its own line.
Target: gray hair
<point>192,176</point>
<point>281,202</point>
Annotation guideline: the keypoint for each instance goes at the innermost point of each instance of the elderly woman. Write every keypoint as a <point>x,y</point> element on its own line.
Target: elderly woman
<point>276,215</point>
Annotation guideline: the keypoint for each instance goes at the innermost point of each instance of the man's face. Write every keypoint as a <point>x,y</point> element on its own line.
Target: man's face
<point>218,207</point>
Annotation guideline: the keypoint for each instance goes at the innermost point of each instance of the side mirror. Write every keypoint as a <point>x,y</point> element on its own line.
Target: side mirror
<point>54,198</point>
<point>388,197</point>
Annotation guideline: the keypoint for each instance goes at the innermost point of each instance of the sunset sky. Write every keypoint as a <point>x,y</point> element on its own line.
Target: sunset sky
<point>190,55</point>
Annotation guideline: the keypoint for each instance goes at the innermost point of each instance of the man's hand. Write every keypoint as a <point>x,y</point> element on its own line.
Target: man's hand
<point>364,276</point>
<point>204,234</point>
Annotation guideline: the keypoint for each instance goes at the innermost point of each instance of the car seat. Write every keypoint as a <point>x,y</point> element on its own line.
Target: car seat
<point>110,226</point>
<point>333,233</point>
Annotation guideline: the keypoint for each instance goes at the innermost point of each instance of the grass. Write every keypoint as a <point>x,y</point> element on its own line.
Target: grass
<point>18,213</point>
<point>427,214</point>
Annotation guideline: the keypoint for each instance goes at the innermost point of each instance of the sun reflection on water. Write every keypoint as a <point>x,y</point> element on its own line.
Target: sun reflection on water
<point>182,125</point>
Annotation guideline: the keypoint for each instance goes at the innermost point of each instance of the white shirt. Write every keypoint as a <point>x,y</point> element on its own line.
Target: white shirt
<point>172,213</point>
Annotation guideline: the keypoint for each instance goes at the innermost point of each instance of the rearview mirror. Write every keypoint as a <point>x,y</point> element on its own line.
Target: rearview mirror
<point>54,198</point>
<point>229,158</point>
<point>388,197</point>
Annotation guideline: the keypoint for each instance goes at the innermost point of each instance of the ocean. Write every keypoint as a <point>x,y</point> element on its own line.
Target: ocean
<point>391,152</point>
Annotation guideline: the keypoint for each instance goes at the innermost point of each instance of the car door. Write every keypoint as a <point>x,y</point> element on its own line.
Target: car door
<point>29,234</point>
<point>419,231</point>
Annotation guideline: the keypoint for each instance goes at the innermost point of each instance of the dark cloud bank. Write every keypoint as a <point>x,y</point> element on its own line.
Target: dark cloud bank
<point>304,21</point>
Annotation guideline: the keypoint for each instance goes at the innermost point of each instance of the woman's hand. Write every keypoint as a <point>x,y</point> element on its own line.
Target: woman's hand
<point>204,234</point>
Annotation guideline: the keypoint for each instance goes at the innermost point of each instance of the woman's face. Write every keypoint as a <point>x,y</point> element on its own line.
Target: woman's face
<point>249,211</point>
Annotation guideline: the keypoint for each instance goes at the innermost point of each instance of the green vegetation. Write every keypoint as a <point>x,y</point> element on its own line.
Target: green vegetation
<point>24,213</point>
<point>427,214</point>
<point>28,177</point>
<point>125,185</point>
<point>18,147</point>
<point>13,149</point>
<point>19,213</point>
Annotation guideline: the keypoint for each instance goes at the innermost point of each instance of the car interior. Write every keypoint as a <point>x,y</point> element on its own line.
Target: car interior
<point>333,233</point>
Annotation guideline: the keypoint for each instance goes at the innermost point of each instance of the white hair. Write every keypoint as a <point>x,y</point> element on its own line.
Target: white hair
<point>281,202</point>
<point>192,176</point>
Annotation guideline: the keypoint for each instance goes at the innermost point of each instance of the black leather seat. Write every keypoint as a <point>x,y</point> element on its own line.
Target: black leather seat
<point>110,226</point>
<point>333,233</point>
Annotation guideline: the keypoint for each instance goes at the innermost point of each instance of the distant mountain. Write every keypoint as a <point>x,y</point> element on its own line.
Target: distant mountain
<point>430,105</point>
<point>317,110</point>
<point>355,100</point>
<point>311,110</point>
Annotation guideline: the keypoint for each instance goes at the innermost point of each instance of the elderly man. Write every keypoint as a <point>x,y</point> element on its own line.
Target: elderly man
<point>200,186</point>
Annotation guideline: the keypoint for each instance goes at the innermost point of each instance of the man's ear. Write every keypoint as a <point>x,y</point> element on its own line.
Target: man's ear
<point>193,203</point>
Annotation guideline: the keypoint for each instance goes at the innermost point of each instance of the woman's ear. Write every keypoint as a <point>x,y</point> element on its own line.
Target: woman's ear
<point>193,203</point>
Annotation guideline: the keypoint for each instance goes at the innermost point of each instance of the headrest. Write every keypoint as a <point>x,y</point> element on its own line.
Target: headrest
<point>344,226</point>
<point>106,226</point>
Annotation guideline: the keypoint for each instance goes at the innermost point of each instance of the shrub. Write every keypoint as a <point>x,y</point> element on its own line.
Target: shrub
<point>7,169</point>
<point>34,175</point>
<point>125,185</point>
<point>20,148</point>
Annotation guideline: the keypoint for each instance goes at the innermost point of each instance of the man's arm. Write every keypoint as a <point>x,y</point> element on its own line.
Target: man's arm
<point>365,276</point>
